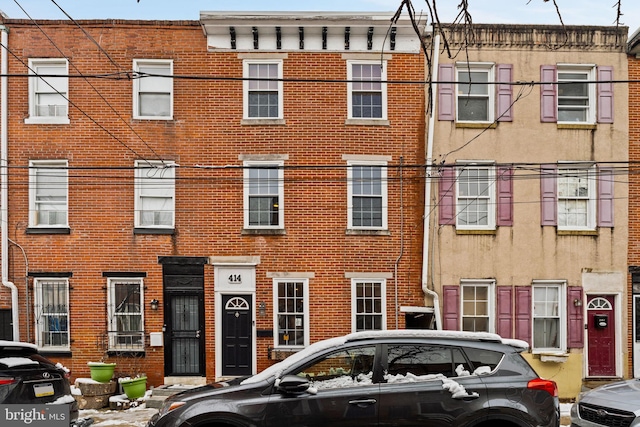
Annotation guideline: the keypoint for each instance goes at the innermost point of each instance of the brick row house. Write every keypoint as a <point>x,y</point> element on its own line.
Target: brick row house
<point>196,199</point>
<point>529,193</point>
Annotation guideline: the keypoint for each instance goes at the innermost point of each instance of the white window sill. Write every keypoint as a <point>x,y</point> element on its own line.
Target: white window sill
<point>559,357</point>
<point>47,121</point>
<point>367,122</point>
<point>165,118</point>
<point>367,232</point>
<point>263,122</point>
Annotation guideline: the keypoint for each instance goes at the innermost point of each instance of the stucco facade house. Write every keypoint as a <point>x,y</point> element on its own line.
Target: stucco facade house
<point>197,199</point>
<point>528,194</point>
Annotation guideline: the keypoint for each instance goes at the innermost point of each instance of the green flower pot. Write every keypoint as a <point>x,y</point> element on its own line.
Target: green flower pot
<point>101,372</point>
<point>134,388</point>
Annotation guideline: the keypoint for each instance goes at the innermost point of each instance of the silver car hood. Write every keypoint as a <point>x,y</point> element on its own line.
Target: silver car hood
<point>623,395</point>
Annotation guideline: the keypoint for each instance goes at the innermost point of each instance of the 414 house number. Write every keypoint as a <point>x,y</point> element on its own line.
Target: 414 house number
<point>235,279</point>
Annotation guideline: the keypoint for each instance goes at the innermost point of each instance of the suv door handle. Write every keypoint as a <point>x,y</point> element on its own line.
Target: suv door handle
<point>363,402</point>
<point>467,397</point>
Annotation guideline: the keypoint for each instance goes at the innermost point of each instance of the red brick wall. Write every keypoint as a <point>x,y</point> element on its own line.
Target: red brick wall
<point>207,130</point>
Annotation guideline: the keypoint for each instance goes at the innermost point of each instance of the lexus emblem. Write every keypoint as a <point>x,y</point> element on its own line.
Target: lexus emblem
<point>46,375</point>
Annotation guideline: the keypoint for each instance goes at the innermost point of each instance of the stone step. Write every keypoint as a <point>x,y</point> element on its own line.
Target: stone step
<point>159,394</point>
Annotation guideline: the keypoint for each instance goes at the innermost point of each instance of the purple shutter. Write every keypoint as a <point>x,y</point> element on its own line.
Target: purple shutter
<point>548,94</point>
<point>450,304</point>
<point>504,326</point>
<point>605,95</point>
<point>446,196</point>
<point>575,318</point>
<point>505,196</point>
<point>523,313</point>
<point>446,92</point>
<point>548,198</point>
<point>605,197</point>
<point>504,92</point>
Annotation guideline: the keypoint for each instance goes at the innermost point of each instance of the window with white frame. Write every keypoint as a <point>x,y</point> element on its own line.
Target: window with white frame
<point>477,306</point>
<point>367,87</point>
<point>367,195</point>
<point>577,198</point>
<point>155,194</point>
<point>368,299</point>
<point>263,89</point>
<point>576,96</point>
<point>263,194</point>
<point>474,94</point>
<point>476,194</point>
<point>549,316</point>
<point>48,93</point>
<point>291,303</point>
<point>48,193</point>
<point>153,89</point>
<point>125,311</point>
<point>52,313</point>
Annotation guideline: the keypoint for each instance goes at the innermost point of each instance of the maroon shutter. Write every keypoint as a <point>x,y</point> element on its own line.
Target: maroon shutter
<point>605,197</point>
<point>446,196</point>
<point>446,92</point>
<point>504,92</point>
<point>605,95</point>
<point>575,317</point>
<point>548,94</point>
<point>548,198</point>
<point>523,313</point>
<point>505,196</point>
<point>504,328</point>
<point>451,304</point>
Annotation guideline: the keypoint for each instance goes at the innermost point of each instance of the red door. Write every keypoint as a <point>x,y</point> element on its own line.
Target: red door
<point>601,336</point>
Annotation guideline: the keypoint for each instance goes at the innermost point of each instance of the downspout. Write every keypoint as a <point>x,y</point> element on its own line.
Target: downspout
<point>427,187</point>
<point>4,172</point>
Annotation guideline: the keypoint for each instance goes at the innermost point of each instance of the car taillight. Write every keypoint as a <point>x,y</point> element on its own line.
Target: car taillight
<point>545,385</point>
<point>7,381</point>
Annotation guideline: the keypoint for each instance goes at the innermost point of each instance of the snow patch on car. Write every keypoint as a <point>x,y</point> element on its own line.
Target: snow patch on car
<point>12,362</point>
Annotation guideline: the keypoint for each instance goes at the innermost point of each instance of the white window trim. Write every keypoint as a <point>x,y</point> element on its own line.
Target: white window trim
<point>592,179</point>
<point>162,166</point>
<point>38,303</point>
<point>33,117</point>
<point>354,307</point>
<point>111,320</point>
<point>489,68</point>
<point>136,88</point>
<point>247,166</point>
<point>306,323</point>
<point>384,195</point>
<point>590,70</point>
<point>491,310</point>
<point>383,88</point>
<point>245,88</point>
<point>492,205</point>
<point>562,313</point>
<point>33,212</point>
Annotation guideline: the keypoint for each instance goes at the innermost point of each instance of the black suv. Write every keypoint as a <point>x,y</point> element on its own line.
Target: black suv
<point>385,378</point>
<point>28,378</point>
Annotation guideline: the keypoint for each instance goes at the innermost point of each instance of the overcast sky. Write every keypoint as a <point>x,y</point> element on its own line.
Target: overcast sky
<point>574,12</point>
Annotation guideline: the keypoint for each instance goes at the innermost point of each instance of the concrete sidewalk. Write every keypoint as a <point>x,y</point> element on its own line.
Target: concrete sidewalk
<point>132,417</point>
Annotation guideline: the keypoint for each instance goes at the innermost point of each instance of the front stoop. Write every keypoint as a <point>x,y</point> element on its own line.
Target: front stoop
<point>172,385</point>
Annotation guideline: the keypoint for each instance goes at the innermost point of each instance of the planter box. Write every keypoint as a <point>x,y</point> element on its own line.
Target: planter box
<point>94,395</point>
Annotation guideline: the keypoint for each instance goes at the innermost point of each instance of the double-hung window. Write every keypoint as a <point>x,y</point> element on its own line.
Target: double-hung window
<point>52,313</point>
<point>153,89</point>
<point>367,195</point>
<point>48,194</point>
<point>368,300</point>
<point>48,91</point>
<point>576,198</point>
<point>549,316</point>
<point>474,93</point>
<point>263,89</point>
<point>476,193</point>
<point>576,96</point>
<point>477,306</point>
<point>155,194</point>
<point>263,194</point>
<point>291,302</point>
<point>125,311</point>
<point>367,98</point>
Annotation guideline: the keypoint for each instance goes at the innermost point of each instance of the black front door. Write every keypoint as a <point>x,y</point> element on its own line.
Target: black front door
<point>237,354</point>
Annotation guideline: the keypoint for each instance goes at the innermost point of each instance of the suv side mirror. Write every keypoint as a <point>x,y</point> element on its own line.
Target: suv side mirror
<point>292,384</point>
